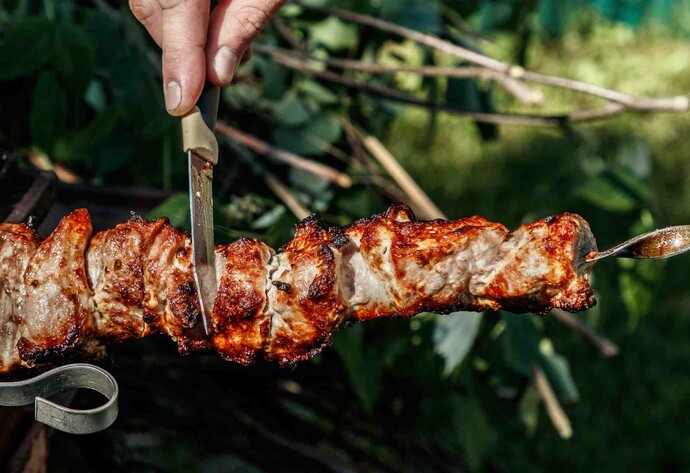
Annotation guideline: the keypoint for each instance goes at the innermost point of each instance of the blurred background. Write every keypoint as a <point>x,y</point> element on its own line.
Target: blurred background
<point>329,116</point>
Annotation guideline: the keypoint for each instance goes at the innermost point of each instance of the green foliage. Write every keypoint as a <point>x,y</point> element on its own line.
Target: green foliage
<point>453,337</point>
<point>361,361</point>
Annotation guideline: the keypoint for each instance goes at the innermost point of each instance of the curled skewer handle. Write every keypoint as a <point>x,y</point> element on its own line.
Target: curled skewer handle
<point>65,419</point>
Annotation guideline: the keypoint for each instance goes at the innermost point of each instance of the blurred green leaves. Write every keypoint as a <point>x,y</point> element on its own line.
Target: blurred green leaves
<point>521,342</point>
<point>25,48</point>
<point>361,363</point>
<point>454,335</point>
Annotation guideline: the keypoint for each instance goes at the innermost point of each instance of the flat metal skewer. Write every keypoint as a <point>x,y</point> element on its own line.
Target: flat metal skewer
<point>74,421</point>
<point>657,244</point>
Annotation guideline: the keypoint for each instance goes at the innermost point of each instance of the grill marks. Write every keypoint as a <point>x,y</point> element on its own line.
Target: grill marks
<point>285,306</point>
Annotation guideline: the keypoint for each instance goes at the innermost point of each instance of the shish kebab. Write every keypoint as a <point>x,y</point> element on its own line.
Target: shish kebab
<point>63,298</point>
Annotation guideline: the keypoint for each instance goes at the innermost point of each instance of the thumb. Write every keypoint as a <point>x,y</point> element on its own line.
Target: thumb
<point>184,24</point>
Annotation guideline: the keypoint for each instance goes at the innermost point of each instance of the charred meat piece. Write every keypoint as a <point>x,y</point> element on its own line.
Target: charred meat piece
<point>64,297</point>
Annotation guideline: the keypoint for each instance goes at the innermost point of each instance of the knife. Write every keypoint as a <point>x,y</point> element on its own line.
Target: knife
<point>199,141</point>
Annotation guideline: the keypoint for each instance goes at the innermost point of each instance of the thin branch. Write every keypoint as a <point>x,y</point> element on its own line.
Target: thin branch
<point>286,196</point>
<point>286,33</point>
<point>371,174</point>
<point>664,104</point>
<point>516,88</point>
<point>321,170</point>
<point>605,346</point>
<point>558,417</point>
<point>498,118</point>
<point>420,201</point>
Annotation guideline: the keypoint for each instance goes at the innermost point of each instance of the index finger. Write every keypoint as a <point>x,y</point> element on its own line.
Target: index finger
<point>185,23</point>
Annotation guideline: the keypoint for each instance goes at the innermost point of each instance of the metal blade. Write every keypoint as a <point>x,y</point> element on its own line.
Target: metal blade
<point>201,207</point>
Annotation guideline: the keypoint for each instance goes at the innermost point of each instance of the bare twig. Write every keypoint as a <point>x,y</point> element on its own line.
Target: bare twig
<point>558,417</point>
<point>321,170</point>
<point>286,33</point>
<point>516,88</point>
<point>605,346</point>
<point>286,196</point>
<point>419,200</point>
<point>371,174</point>
<point>664,104</point>
<point>292,62</point>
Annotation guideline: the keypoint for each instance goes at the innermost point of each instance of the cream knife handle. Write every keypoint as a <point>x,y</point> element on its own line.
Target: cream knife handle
<point>198,126</point>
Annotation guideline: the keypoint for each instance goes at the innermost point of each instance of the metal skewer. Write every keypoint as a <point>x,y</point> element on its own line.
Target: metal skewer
<point>73,421</point>
<point>657,244</point>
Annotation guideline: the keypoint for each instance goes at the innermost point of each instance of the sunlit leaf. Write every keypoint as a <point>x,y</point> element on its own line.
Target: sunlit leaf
<point>454,335</point>
<point>333,34</point>
<point>602,192</point>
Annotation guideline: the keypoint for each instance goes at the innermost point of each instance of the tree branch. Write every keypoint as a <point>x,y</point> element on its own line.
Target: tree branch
<point>605,346</point>
<point>558,417</point>
<point>286,196</point>
<point>664,104</point>
<point>419,200</point>
<point>292,62</point>
<point>516,88</point>
<point>321,170</point>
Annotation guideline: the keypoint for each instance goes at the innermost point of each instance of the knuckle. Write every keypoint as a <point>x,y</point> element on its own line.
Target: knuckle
<point>251,19</point>
<point>171,4</point>
<point>142,10</point>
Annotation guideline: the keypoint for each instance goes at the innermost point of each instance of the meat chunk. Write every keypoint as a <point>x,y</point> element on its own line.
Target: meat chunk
<point>116,271</point>
<point>240,312</point>
<point>58,316</point>
<point>17,244</point>
<point>62,298</point>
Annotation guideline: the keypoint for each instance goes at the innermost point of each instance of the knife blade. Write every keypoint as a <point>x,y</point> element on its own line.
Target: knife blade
<point>201,209</point>
<point>202,153</point>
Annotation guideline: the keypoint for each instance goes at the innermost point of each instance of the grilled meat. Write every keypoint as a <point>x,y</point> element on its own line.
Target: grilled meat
<point>63,298</point>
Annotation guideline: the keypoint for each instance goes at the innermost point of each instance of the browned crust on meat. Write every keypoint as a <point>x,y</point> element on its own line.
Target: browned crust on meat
<point>320,305</point>
<point>562,287</point>
<point>172,301</point>
<point>18,243</point>
<point>285,306</point>
<point>59,264</point>
<point>119,290</point>
<point>240,324</point>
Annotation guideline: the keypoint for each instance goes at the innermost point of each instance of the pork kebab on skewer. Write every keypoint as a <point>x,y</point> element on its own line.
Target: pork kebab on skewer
<point>64,298</point>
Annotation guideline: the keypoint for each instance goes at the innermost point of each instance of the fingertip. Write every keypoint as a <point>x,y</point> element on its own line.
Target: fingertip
<point>173,96</point>
<point>223,65</point>
<point>181,96</point>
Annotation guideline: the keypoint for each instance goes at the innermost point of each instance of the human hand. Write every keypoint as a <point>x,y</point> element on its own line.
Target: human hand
<point>199,44</point>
